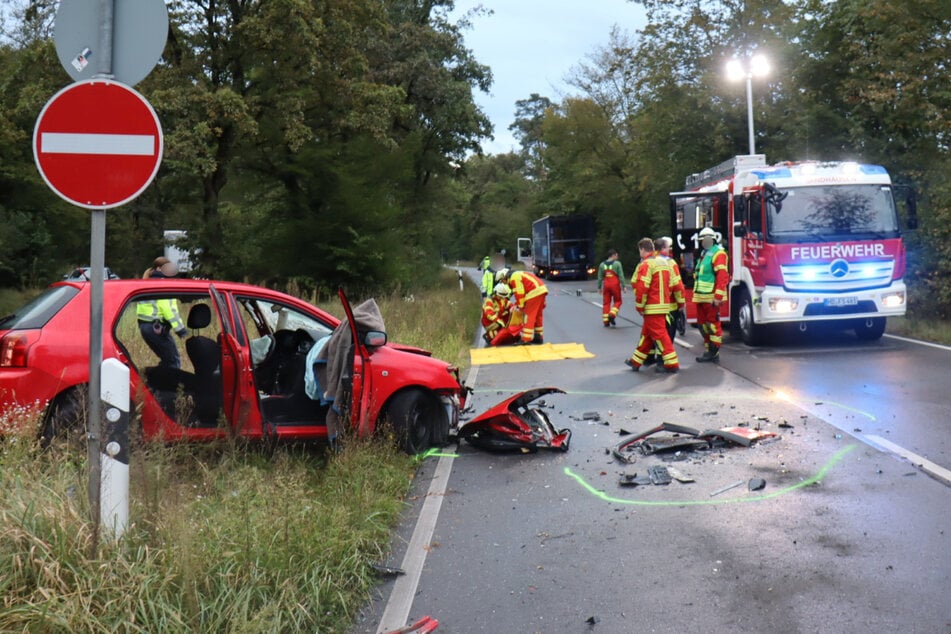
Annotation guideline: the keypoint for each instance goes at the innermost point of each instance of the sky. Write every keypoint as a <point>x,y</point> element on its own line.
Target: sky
<point>531,45</point>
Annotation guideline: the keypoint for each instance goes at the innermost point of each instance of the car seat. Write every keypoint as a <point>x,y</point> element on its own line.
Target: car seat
<point>205,355</point>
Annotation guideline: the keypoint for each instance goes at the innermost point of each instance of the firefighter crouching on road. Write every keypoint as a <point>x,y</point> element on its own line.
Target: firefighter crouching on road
<point>709,291</point>
<point>530,294</point>
<point>158,318</point>
<point>496,310</point>
<point>610,274</point>
<point>658,290</point>
<point>512,333</point>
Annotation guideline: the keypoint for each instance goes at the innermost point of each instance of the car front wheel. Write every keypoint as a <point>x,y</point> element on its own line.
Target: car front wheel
<point>412,416</point>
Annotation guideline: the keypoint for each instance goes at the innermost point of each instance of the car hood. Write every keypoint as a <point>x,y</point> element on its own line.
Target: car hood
<point>412,349</point>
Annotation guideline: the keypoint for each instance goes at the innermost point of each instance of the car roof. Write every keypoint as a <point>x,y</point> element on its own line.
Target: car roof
<point>186,285</point>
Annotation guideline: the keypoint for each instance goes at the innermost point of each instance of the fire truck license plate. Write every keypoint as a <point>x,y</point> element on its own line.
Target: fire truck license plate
<point>842,301</point>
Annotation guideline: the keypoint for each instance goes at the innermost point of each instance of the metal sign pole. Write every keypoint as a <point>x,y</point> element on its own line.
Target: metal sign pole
<point>97,262</point>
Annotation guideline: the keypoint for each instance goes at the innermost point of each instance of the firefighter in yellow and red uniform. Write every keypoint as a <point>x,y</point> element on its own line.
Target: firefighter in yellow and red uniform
<point>658,290</point>
<point>496,311</point>
<point>529,295</point>
<point>610,274</point>
<point>709,291</point>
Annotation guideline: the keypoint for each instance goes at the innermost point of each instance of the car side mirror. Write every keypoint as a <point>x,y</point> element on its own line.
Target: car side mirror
<point>740,208</point>
<point>374,339</point>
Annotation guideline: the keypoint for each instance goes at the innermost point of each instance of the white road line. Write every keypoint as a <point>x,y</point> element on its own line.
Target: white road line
<point>398,607</point>
<point>112,144</point>
<point>934,470</point>
<point>920,343</point>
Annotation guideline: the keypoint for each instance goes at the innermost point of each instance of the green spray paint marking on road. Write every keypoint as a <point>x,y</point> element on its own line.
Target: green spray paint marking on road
<point>755,498</point>
<point>779,395</point>
<point>432,452</point>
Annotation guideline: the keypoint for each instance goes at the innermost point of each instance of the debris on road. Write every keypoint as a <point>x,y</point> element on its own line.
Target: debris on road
<point>679,475</point>
<point>387,571</point>
<point>685,439</point>
<point>591,416</point>
<point>422,626</point>
<point>659,474</point>
<point>757,484</point>
<point>514,426</point>
<point>727,487</point>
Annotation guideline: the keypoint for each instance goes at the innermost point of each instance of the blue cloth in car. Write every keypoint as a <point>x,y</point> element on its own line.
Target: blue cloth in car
<point>311,384</point>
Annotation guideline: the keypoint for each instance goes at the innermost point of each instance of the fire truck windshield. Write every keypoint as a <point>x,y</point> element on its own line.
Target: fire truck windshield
<point>833,213</point>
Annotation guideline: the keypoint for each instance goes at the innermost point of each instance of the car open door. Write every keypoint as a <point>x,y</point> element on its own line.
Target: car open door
<point>356,385</point>
<point>237,379</point>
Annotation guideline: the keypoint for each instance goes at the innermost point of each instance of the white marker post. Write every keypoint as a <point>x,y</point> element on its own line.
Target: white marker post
<point>114,459</point>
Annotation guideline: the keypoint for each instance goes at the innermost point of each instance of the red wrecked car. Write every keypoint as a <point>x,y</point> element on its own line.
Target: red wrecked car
<point>252,364</point>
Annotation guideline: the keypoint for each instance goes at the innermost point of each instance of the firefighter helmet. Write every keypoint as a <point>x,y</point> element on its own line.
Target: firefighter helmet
<point>502,274</point>
<point>502,290</point>
<point>708,232</point>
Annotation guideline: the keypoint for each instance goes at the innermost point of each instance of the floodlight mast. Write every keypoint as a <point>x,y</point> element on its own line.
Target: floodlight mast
<point>756,66</point>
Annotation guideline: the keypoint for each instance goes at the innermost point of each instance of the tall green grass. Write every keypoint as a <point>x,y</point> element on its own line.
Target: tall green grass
<point>222,537</point>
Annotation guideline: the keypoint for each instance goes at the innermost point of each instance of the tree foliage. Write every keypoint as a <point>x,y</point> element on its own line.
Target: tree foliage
<point>309,139</point>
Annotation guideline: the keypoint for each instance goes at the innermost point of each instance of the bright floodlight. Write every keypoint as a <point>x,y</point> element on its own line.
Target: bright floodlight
<point>734,70</point>
<point>759,66</point>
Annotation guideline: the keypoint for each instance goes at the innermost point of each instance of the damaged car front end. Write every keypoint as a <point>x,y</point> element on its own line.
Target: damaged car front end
<point>514,426</point>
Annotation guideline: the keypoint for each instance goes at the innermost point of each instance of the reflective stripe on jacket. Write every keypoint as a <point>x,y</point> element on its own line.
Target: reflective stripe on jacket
<point>658,288</point>
<point>609,268</point>
<point>712,276</point>
<point>164,310</point>
<point>526,286</point>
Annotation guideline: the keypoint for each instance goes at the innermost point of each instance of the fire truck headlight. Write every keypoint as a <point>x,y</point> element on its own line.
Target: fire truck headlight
<point>893,300</point>
<point>783,304</point>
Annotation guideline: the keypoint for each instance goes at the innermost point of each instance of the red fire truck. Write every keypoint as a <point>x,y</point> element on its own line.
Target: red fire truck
<point>807,242</point>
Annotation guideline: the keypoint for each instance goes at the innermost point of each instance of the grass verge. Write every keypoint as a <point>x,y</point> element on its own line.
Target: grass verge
<point>222,538</point>
<point>933,330</point>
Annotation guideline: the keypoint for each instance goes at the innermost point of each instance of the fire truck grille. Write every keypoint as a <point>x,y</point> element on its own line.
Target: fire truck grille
<point>838,275</point>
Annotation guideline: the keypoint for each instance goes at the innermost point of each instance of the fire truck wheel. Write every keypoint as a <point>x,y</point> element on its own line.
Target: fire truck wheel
<point>413,415</point>
<point>751,333</point>
<point>870,329</point>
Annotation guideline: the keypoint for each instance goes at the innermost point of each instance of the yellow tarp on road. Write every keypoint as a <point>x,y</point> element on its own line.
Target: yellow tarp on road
<point>525,354</point>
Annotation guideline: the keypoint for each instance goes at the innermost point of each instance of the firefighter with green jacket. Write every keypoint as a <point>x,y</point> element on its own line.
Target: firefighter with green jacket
<point>610,274</point>
<point>709,291</point>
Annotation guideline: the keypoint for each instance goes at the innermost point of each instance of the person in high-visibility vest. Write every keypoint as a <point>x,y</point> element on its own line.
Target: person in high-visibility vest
<point>530,294</point>
<point>488,277</point>
<point>709,291</point>
<point>610,274</point>
<point>159,318</point>
<point>658,290</point>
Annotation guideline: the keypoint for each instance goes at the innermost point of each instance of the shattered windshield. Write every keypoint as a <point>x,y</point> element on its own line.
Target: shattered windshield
<point>833,213</point>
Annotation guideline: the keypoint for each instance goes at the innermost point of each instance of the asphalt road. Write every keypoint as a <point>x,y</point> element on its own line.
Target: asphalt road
<point>845,537</point>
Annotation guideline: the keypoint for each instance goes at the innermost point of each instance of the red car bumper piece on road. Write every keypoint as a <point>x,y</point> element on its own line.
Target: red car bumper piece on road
<point>513,426</point>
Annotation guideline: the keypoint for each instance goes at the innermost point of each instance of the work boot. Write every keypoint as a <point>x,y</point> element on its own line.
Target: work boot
<point>663,369</point>
<point>651,360</point>
<point>611,320</point>
<point>538,339</point>
<point>630,363</point>
<point>607,324</point>
<point>712,355</point>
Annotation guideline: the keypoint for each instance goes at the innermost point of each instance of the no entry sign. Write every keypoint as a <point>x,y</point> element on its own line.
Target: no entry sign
<point>97,143</point>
